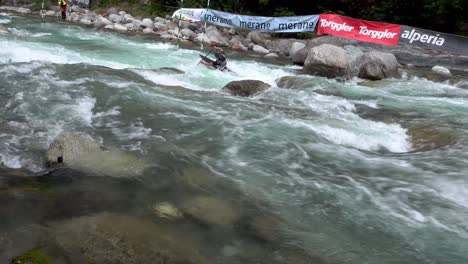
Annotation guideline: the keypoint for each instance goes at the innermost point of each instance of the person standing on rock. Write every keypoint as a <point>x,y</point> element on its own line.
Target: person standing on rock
<point>63,8</point>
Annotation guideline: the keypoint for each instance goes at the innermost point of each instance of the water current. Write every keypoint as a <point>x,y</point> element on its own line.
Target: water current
<point>335,160</point>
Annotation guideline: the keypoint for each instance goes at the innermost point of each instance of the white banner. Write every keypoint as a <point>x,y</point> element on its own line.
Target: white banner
<point>189,14</point>
<point>253,23</point>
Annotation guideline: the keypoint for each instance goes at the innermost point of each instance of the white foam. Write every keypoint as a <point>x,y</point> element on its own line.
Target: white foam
<point>85,109</point>
<point>5,21</point>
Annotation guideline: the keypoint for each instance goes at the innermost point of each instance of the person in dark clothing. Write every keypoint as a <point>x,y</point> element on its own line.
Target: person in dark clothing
<point>63,8</point>
<point>220,63</point>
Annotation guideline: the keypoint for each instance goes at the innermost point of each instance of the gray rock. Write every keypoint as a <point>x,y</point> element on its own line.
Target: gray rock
<point>86,21</point>
<point>280,45</point>
<point>115,18</point>
<point>127,18</point>
<point>295,48</point>
<point>354,56</point>
<point>239,47</point>
<point>271,55</point>
<point>102,22</point>
<point>113,238</point>
<point>260,49</point>
<point>120,28</point>
<point>148,31</point>
<point>246,42</point>
<point>159,20</point>
<point>245,87</point>
<point>215,37</point>
<point>81,152</point>
<point>258,37</point>
<point>111,27</point>
<point>147,23</point>
<point>122,13</point>
<point>76,8</point>
<point>441,70</point>
<point>193,27</point>
<point>51,13</point>
<point>189,34</point>
<point>328,61</point>
<point>130,27</point>
<point>111,11</point>
<point>160,26</point>
<point>378,65</point>
<point>232,32</point>
<point>91,16</point>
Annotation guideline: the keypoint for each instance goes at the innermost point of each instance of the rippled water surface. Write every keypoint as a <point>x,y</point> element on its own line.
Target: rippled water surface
<point>342,164</point>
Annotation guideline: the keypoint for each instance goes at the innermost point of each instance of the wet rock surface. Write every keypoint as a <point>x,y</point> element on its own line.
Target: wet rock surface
<point>246,87</point>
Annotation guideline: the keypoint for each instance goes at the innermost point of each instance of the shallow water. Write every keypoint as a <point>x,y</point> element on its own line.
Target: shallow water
<point>351,185</point>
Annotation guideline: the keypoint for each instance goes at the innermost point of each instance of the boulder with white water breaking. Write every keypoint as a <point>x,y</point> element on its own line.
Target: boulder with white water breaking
<point>260,49</point>
<point>328,61</point>
<point>354,55</point>
<point>81,152</point>
<point>147,23</point>
<point>245,87</point>
<point>441,70</point>
<point>376,65</point>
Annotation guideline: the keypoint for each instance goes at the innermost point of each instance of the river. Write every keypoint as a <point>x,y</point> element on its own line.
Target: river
<point>350,183</point>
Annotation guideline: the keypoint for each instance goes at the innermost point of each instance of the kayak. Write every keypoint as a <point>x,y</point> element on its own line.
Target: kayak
<point>208,60</point>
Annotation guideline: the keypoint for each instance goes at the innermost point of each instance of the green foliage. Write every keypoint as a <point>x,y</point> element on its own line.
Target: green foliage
<point>32,257</point>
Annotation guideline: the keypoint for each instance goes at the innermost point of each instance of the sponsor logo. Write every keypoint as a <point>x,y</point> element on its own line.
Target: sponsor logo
<point>255,25</point>
<point>335,26</point>
<point>218,19</point>
<point>413,36</point>
<point>376,33</point>
<point>297,25</point>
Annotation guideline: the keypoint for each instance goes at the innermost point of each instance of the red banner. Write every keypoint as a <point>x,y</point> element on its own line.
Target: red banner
<point>362,30</point>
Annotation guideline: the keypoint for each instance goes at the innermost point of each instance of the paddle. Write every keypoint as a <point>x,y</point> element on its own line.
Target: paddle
<point>206,56</point>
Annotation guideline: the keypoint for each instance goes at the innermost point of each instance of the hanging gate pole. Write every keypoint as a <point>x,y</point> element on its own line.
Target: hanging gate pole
<point>178,26</point>
<point>204,30</point>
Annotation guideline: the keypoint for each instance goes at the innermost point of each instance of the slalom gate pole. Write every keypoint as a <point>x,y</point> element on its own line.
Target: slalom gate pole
<point>204,30</point>
<point>42,10</point>
<point>178,25</point>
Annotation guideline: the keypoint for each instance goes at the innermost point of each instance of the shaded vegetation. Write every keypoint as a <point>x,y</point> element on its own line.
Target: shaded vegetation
<point>440,15</point>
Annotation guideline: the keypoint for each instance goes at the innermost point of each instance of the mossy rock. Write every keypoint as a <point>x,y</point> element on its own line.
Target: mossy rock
<point>35,256</point>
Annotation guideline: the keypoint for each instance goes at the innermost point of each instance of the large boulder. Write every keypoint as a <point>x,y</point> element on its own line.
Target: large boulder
<point>113,238</point>
<point>82,153</point>
<point>280,46</point>
<point>258,37</point>
<point>246,87</point>
<point>301,56</point>
<point>120,28</point>
<point>377,65</point>
<point>112,11</point>
<point>102,22</point>
<point>115,18</point>
<point>260,49</point>
<point>147,23</point>
<point>214,36</point>
<point>354,56</point>
<point>188,33</point>
<point>328,61</point>
<point>295,48</point>
<point>160,26</point>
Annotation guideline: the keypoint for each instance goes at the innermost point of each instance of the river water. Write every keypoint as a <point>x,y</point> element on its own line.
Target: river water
<point>335,160</point>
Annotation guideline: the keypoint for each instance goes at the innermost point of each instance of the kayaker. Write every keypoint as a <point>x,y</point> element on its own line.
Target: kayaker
<point>220,63</point>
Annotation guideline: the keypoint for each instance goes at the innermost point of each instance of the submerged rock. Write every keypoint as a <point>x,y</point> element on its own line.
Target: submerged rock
<point>328,61</point>
<point>82,153</point>
<point>167,210</point>
<point>170,70</point>
<point>211,210</point>
<point>246,87</point>
<point>113,238</point>
<point>427,138</point>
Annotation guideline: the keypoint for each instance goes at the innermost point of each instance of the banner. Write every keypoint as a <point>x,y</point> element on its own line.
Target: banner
<point>362,30</point>
<point>262,24</point>
<point>189,14</point>
<point>434,40</point>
